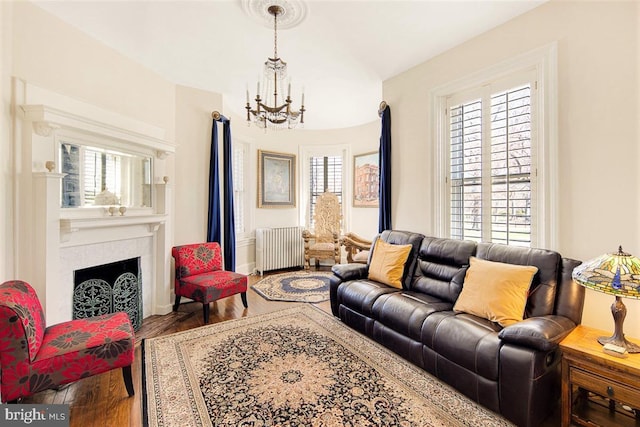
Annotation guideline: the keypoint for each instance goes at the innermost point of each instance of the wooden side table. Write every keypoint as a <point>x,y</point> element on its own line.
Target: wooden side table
<point>598,389</point>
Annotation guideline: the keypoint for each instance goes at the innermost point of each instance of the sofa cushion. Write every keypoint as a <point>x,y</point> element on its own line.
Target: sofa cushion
<point>441,266</point>
<point>359,295</point>
<point>405,311</point>
<point>212,286</point>
<point>387,263</point>
<point>468,341</point>
<point>542,293</point>
<point>495,291</point>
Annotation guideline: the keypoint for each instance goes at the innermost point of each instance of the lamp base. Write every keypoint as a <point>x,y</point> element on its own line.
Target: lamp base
<point>620,342</point>
<point>619,312</point>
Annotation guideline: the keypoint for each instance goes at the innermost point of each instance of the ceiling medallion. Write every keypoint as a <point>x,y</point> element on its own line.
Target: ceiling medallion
<point>293,12</point>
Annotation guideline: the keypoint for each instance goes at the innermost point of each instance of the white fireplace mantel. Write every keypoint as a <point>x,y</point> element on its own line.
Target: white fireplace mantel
<point>115,225</point>
<point>53,241</point>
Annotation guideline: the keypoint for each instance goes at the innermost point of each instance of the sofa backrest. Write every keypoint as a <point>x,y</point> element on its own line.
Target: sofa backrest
<point>570,295</point>
<point>441,267</point>
<point>542,293</point>
<point>438,266</point>
<point>398,237</point>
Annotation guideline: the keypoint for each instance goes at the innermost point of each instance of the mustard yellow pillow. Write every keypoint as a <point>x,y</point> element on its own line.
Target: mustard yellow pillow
<point>495,291</point>
<point>387,263</point>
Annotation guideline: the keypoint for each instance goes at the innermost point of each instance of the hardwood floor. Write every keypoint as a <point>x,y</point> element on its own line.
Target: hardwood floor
<point>102,401</point>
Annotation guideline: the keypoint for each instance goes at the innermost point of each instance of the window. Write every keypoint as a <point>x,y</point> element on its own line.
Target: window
<point>325,175</point>
<point>495,156</point>
<point>240,193</point>
<point>490,167</point>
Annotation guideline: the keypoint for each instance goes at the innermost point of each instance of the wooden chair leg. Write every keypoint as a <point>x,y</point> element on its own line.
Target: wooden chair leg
<point>128,380</point>
<point>205,312</point>
<point>243,295</point>
<point>176,303</point>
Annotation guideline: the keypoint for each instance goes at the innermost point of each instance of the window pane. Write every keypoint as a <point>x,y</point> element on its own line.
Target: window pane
<point>466,170</point>
<point>511,166</point>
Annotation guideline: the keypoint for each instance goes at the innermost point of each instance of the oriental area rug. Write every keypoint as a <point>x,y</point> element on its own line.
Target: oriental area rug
<point>296,286</point>
<point>296,367</point>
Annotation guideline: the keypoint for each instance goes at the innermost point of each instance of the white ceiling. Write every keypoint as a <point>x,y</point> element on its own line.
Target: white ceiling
<point>340,53</point>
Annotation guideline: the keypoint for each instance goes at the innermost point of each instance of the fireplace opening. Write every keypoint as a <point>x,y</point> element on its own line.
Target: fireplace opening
<point>109,288</point>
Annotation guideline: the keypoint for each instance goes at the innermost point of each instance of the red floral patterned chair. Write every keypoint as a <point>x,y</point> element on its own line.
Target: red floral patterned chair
<point>200,277</point>
<point>34,357</point>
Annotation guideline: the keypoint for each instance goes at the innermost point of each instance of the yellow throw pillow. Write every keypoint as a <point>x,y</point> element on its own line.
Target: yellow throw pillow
<point>387,263</point>
<point>495,291</point>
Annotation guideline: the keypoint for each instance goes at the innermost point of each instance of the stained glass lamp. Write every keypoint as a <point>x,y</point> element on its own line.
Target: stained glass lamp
<point>616,274</point>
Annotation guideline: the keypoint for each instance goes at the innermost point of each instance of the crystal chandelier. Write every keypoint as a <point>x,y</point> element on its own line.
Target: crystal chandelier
<point>280,115</point>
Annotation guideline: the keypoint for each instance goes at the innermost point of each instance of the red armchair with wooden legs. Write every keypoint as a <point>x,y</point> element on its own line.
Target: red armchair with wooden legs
<point>200,277</point>
<point>34,357</point>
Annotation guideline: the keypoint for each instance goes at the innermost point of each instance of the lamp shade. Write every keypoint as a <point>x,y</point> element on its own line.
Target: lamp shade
<point>616,274</point>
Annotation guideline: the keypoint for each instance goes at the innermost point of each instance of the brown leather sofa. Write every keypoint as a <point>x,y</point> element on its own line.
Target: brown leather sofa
<point>515,370</point>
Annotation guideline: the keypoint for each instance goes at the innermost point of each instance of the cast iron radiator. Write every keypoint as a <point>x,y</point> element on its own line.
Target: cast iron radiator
<point>279,248</point>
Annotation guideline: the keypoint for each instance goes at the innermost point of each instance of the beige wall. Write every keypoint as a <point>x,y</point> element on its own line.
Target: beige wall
<point>598,101</point>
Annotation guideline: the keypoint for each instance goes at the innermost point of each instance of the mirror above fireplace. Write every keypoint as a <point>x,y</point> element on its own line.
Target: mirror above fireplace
<point>101,176</point>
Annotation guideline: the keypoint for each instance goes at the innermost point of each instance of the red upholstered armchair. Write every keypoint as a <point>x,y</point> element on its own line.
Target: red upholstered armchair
<point>34,357</point>
<point>200,277</point>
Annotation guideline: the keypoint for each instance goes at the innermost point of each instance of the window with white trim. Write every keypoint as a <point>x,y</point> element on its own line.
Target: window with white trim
<point>496,154</point>
<point>325,174</point>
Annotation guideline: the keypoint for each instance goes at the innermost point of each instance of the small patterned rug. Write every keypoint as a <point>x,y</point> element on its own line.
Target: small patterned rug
<point>294,367</point>
<point>296,286</point>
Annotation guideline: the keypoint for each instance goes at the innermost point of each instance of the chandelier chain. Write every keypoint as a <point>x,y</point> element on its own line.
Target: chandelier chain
<point>275,35</point>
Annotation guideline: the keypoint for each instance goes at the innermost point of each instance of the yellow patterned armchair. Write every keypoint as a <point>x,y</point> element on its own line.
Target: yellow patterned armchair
<point>324,242</point>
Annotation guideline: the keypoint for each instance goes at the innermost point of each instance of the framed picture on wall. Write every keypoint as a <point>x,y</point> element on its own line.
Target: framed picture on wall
<point>366,180</point>
<point>276,180</point>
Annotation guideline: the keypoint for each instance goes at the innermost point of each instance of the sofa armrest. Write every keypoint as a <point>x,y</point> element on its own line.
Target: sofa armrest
<point>541,333</point>
<point>344,273</point>
<point>350,271</point>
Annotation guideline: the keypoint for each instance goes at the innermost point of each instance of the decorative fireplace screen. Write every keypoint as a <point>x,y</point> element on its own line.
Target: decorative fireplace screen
<point>109,288</point>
